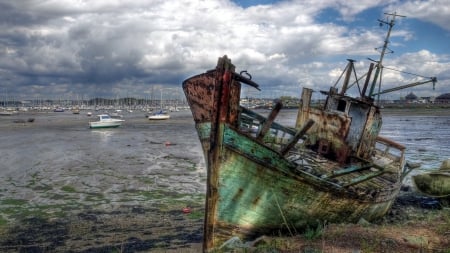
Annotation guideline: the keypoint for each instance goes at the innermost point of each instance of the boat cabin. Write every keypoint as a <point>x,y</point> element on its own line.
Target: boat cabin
<point>103,117</point>
<point>344,127</point>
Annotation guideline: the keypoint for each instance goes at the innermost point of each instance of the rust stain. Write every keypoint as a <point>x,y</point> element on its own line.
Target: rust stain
<point>238,194</point>
<point>255,201</point>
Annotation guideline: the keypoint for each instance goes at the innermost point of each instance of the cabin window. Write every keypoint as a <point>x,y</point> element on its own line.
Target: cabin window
<point>341,105</point>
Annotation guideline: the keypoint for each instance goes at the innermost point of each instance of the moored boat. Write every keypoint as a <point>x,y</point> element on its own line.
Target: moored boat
<point>6,113</point>
<point>332,166</point>
<point>161,115</point>
<point>435,183</point>
<point>105,121</point>
<point>76,110</point>
<point>117,114</point>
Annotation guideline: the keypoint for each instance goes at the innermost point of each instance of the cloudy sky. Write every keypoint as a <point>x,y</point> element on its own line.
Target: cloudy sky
<point>73,49</point>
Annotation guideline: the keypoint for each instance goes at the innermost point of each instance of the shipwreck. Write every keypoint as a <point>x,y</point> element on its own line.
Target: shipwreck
<point>332,166</point>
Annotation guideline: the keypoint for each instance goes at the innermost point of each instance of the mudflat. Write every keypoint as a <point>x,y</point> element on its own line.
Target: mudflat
<point>68,188</point>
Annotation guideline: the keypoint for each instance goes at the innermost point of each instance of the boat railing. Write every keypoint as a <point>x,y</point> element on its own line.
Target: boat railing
<point>393,151</point>
<point>277,136</point>
<point>388,147</point>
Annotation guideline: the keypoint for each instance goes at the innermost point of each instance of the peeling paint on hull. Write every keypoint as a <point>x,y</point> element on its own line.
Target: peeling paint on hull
<point>281,178</point>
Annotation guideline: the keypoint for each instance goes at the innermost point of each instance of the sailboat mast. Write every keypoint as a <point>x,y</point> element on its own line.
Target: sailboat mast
<point>383,51</point>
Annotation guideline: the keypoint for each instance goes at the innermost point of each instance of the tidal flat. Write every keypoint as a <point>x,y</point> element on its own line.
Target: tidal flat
<point>67,188</point>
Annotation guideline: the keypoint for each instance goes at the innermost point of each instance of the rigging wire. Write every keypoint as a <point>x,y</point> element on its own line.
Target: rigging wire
<point>406,72</point>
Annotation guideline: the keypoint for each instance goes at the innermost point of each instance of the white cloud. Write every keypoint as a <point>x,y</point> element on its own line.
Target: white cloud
<point>434,11</point>
<point>112,44</point>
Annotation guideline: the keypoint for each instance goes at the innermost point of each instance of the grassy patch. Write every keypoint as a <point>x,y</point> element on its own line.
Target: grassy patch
<point>312,233</point>
<point>68,188</point>
<point>94,197</point>
<point>195,215</point>
<point>13,202</point>
<point>43,211</point>
<point>147,180</point>
<point>149,195</point>
<point>3,221</point>
<point>368,246</point>
<point>182,162</point>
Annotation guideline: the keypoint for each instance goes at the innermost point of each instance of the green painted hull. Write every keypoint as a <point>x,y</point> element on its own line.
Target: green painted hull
<point>281,178</point>
<point>436,184</point>
<point>259,195</point>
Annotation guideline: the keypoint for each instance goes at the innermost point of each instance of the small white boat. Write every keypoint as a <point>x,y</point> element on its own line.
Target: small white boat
<point>104,121</point>
<point>117,114</point>
<point>6,113</point>
<point>159,116</point>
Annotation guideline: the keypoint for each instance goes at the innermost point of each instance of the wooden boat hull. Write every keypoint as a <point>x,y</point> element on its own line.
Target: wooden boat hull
<point>257,195</point>
<point>263,183</point>
<point>435,184</point>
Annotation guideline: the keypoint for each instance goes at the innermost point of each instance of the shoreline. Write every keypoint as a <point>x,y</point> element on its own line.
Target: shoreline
<point>437,110</point>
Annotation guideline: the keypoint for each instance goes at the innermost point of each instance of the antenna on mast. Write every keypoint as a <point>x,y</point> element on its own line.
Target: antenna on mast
<point>390,21</point>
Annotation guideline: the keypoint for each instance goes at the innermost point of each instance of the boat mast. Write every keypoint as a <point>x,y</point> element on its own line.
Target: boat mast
<point>379,65</point>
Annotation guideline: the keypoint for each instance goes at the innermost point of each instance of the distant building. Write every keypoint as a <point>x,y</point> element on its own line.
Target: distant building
<point>427,100</point>
<point>411,98</point>
<point>443,99</point>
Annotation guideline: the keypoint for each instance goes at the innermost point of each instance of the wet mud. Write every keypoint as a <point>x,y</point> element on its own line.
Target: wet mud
<point>67,188</point>
<point>126,229</point>
<point>410,203</point>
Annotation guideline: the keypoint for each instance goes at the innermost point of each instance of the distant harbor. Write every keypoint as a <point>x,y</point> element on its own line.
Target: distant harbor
<point>149,105</point>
